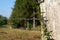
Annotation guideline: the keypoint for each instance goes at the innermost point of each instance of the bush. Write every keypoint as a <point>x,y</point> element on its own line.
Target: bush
<point>3,21</point>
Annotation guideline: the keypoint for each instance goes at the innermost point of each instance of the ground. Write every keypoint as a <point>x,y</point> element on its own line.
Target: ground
<point>17,34</point>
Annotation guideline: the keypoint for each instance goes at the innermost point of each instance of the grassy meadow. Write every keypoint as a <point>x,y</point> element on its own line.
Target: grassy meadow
<point>17,34</point>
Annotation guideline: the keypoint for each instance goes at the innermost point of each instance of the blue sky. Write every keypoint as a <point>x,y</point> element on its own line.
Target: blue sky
<point>6,7</point>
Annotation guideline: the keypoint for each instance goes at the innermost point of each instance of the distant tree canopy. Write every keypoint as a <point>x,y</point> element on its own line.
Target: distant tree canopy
<point>3,20</point>
<point>24,9</point>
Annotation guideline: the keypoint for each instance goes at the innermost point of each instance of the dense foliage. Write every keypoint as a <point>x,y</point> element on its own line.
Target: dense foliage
<point>3,20</point>
<point>24,9</point>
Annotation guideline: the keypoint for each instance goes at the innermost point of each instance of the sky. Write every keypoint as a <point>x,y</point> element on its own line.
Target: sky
<point>6,7</point>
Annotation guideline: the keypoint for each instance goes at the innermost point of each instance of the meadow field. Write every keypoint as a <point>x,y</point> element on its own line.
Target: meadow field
<point>17,34</point>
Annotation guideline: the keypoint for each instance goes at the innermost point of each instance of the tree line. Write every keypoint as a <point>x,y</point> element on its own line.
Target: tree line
<point>3,20</point>
<point>25,14</point>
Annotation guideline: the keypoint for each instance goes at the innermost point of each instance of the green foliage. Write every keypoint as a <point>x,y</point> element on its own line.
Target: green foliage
<point>3,20</point>
<point>23,9</point>
<point>30,26</point>
<point>47,35</point>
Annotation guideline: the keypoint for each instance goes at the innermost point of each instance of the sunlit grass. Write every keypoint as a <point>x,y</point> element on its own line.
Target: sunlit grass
<point>17,34</point>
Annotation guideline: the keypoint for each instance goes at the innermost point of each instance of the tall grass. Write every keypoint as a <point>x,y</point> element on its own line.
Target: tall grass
<point>17,34</point>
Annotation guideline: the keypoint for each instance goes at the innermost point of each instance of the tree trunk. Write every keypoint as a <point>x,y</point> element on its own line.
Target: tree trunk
<point>27,25</point>
<point>53,17</point>
<point>33,22</point>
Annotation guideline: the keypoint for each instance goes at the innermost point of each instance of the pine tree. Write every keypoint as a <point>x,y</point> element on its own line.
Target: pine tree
<point>23,9</point>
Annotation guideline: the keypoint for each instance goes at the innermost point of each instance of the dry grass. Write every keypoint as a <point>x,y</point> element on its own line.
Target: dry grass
<point>17,34</point>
